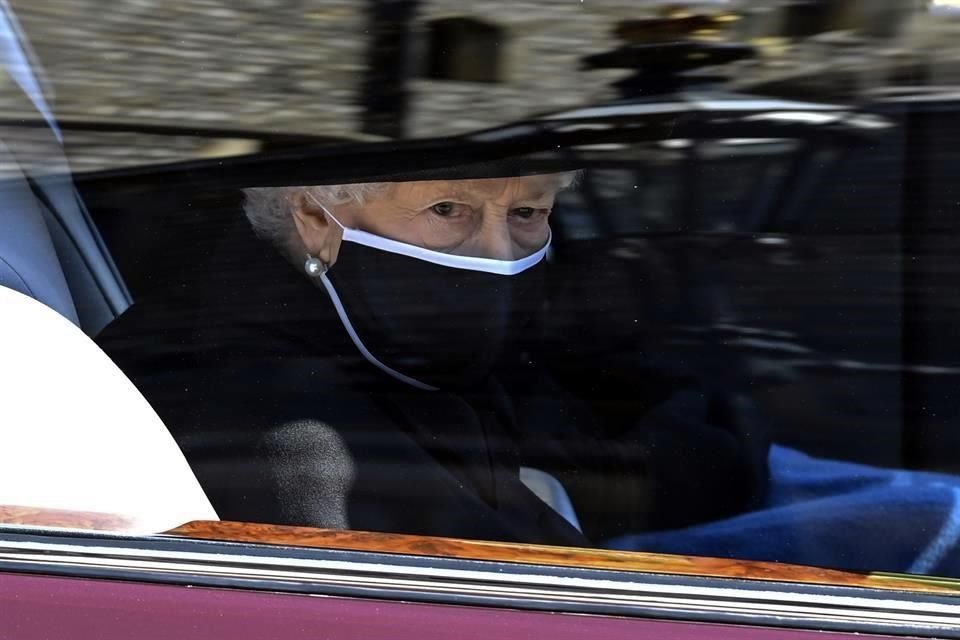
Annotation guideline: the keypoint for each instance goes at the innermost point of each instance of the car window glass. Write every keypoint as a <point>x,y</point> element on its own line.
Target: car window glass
<point>623,284</point>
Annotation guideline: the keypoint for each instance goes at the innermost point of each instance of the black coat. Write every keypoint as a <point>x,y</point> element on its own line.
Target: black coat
<point>284,422</point>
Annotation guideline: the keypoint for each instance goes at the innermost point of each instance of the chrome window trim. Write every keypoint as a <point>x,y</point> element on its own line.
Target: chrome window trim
<point>478,582</point>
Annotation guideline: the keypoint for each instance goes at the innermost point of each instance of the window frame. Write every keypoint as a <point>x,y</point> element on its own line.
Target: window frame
<point>440,571</point>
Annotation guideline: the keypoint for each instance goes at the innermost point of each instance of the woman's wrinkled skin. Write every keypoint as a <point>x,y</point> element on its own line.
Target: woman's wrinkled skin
<point>499,218</point>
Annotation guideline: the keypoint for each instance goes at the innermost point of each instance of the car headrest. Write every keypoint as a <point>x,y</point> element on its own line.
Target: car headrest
<point>77,435</point>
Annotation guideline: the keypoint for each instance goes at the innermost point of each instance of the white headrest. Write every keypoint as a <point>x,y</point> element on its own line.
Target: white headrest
<point>76,435</point>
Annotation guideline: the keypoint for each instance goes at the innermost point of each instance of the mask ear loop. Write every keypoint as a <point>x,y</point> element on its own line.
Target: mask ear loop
<point>313,199</point>
<point>317,269</point>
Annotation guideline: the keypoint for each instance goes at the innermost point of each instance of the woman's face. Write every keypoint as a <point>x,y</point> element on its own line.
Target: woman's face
<point>500,218</point>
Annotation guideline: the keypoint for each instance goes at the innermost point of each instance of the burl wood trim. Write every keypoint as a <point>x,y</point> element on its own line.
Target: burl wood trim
<point>85,520</point>
<point>553,556</point>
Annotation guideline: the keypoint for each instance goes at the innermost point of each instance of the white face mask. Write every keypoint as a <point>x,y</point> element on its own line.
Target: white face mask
<point>486,265</point>
<point>427,318</point>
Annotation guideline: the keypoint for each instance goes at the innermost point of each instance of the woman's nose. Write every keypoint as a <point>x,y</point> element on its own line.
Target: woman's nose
<point>495,241</point>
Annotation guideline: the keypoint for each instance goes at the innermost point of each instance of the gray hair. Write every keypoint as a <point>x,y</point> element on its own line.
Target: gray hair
<point>269,208</point>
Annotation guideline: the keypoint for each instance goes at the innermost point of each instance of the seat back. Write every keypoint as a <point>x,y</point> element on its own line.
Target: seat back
<point>28,257</point>
<point>98,291</point>
<point>49,247</point>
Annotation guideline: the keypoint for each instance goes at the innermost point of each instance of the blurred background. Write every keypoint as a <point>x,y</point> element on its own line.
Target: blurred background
<point>370,68</point>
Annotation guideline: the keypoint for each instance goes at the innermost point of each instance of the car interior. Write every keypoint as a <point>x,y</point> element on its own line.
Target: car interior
<point>51,250</point>
<point>114,456</point>
<point>717,391</point>
<point>683,275</point>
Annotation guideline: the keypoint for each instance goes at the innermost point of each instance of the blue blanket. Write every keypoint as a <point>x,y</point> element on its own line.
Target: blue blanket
<point>833,514</point>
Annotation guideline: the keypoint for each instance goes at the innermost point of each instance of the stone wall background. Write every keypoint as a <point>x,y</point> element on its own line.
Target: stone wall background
<point>294,65</point>
<point>299,65</point>
<point>541,56</point>
<point>282,65</point>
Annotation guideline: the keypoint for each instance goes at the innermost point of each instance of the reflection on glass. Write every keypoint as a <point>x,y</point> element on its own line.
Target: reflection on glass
<point>710,312</point>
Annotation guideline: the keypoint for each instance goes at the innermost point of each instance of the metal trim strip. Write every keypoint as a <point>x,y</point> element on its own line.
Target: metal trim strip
<point>449,581</point>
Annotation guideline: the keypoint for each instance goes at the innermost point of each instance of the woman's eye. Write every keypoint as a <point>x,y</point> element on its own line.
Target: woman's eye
<point>526,213</point>
<point>444,209</point>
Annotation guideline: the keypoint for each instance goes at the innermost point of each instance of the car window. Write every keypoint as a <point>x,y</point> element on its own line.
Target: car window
<point>633,280</point>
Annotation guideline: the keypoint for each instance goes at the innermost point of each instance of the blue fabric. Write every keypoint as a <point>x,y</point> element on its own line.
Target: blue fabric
<point>833,514</point>
<point>28,257</point>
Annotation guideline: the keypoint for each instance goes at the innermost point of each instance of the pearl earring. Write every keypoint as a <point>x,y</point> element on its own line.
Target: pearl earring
<point>314,267</point>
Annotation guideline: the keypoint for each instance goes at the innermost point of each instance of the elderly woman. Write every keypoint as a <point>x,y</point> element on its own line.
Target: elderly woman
<point>338,371</point>
<point>426,277</point>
